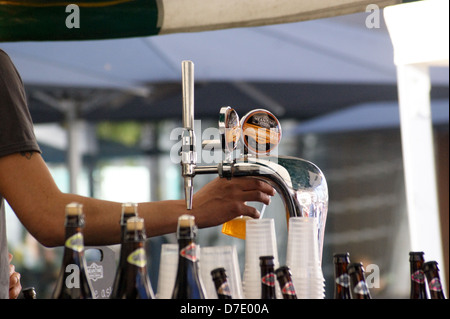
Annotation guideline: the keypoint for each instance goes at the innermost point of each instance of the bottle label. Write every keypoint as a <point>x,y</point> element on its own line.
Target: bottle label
<point>288,289</point>
<point>343,280</point>
<point>418,276</point>
<point>435,285</point>
<point>137,258</point>
<point>190,252</point>
<point>224,289</point>
<point>75,242</point>
<point>269,279</point>
<point>361,288</point>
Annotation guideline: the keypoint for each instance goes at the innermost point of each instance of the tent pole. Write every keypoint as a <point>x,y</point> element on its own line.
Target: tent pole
<point>74,160</point>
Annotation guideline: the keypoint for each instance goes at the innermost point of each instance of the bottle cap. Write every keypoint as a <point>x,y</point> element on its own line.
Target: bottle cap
<point>430,266</point>
<point>186,221</point>
<point>135,223</point>
<point>266,260</point>
<point>355,268</point>
<point>128,208</point>
<point>74,209</point>
<point>218,272</point>
<point>416,256</point>
<point>283,271</point>
<point>341,257</point>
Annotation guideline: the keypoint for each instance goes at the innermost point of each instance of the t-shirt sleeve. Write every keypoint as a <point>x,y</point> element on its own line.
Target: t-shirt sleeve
<point>16,125</point>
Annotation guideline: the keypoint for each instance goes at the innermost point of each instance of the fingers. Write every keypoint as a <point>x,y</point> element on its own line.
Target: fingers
<point>14,280</point>
<point>253,196</point>
<point>250,211</point>
<point>249,184</point>
<point>14,283</point>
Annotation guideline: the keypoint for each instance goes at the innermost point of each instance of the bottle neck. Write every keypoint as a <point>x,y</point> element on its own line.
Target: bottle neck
<point>435,285</point>
<point>359,285</point>
<point>267,282</point>
<point>418,289</point>
<point>342,281</point>
<point>74,245</point>
<point>133,249</point>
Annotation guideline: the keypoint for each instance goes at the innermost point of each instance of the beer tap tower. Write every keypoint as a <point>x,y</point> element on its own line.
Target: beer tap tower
<point>300,183</point>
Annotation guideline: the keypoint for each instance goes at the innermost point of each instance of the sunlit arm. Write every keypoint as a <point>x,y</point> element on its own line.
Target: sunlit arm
<point>29,188</point>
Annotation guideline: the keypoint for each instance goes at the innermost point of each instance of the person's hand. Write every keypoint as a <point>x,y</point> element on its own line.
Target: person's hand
<point>14,281</point>
<point>222,200</point>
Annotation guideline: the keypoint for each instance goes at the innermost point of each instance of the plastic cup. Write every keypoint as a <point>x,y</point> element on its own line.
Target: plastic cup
<point>167,270</point>
<point>221,256</point>
<point>236,227</point>
<point>260,241</point>
<point>302,257</point>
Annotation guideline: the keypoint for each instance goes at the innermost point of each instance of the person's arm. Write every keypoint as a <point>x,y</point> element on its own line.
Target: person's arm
<point>27,185</point>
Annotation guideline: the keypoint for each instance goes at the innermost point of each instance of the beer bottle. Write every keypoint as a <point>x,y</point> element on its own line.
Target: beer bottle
<point>418,289</point>
<point>342,281</point>
<point>285,280</point>
<point>267,277</point>
<point>29,293</point>
<point>358,281</point>
<point>188,284</point>
<point>128,210</point>
<point>73,282</point>
<point>132,280</point>
<point>431,271</point>
<point>219,277</point>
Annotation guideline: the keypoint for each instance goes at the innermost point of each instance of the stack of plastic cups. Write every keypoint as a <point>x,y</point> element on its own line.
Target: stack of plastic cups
<point>260,241</point>
<point>302,257</point>
<point>167,271</point>
<point>221,256</point>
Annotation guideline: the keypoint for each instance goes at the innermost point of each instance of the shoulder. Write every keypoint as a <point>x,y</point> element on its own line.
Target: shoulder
<point>9,76</point>
<point>5,60</point>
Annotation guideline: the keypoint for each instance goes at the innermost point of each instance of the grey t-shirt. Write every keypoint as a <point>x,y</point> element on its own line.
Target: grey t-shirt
<point>16,135</point>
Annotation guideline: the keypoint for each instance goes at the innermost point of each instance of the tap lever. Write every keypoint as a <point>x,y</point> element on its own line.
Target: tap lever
<point>187,69</point>
<point>188,153</point>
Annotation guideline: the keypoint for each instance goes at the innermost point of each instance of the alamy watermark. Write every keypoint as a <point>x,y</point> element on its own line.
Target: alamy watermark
<point>373,18</point>
<point>258,140</point>
<point>73,17</point>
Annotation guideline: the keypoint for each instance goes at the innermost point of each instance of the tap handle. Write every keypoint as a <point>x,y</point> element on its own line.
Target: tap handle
<point>187,69</point>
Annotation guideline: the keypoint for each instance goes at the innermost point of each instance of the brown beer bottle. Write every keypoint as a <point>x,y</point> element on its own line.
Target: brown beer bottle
<point>431,271</point>
<point>73,282</point>
<point>129,210</point>
<point>267,277</point>
<point>188,284</point>
<point>220,280</point>
<point>358,281</point>
<point>418,288</point>
<point>285,280</point>
<point>132,280</point>
<point>341,278</point>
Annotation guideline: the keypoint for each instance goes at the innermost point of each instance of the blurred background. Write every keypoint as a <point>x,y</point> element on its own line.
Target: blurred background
<point>331,82</point>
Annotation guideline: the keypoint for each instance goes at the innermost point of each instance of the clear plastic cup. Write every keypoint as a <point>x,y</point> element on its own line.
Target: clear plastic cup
<point>302,257</point>
<point>237,226</point>
<point>260,241</point>
<point>167,270</point>
<point>221,256</point>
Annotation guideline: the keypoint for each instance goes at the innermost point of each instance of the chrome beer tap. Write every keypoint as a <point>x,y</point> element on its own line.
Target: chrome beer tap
<point>188,153</point>
<point>300,183</point>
